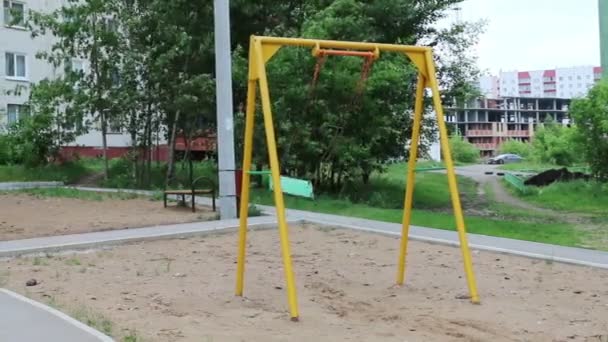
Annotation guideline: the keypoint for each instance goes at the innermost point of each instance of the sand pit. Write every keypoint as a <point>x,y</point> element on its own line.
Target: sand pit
<point>182,290</point>
<point>26,216</point>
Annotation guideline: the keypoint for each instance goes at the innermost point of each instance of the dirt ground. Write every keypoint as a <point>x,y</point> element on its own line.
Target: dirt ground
<point>182,290</point>
<point>26,216</point>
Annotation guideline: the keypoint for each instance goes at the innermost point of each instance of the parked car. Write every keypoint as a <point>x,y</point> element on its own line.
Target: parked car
<point>505,159</point>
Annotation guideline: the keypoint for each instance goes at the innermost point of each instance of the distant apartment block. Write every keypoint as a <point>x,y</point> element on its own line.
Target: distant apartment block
<point>515,103</point>
<point>487,123</point>
<point>561,83</point>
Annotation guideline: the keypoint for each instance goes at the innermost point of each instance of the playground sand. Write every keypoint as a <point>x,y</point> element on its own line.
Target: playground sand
<point>26,216</point>
<point>183,290</point>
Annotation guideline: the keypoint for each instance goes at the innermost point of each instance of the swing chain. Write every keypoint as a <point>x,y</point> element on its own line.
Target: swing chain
<point>321,59</point>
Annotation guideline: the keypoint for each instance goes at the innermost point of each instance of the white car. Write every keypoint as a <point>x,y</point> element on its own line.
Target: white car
<point>505,159</point>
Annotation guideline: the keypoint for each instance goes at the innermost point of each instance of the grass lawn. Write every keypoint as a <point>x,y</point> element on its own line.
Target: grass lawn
<point>576,196</point>
<point>80,194</point>
<point>68,172</point>
<point>536,167</point>
<point>387,190</point>
<point>555,233</point>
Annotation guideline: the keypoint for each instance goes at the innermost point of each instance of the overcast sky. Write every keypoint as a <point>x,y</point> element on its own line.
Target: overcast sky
<point>535,34</point>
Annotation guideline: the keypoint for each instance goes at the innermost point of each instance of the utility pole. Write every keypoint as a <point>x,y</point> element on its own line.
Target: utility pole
<point>225,121</point>
<point>603,18</point>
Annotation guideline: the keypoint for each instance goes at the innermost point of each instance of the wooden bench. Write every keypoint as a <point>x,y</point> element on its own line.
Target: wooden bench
<point>193,191</point>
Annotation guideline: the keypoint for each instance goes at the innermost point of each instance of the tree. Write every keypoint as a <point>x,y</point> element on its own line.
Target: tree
<point>85,30</point>
<point>152,66</point>
<point>523,149</point>
<point>590,116</point>
<point>462,150</point>
<point>554,143</point>
<point>336,135</point>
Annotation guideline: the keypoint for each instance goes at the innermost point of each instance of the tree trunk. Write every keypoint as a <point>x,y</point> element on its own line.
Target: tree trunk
<point>104,143</point>
<point>133,133</point>
<point>365,177</point>
<point>171,165</point>
<point>149,148</point>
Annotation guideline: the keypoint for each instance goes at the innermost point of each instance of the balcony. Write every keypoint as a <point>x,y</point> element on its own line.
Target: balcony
<point>485,146</point>
<point>479,133</point>
<point>518,133</point>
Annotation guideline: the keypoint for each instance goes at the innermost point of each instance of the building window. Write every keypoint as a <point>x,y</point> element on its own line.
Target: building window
<point>14,13</point>
<point>569,78</point>
<point>578,77</point>
<point>15,65</point>
<point>75,66</point>
<point>561,78</point>
<point>17,112</point>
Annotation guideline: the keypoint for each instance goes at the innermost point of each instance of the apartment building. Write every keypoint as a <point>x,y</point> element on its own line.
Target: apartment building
<point>487,123</point>
<point>560,83</point>
<point>515,103</point>
<point>20,69</point>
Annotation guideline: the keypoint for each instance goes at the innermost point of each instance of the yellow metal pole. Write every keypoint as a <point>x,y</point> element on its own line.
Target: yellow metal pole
<point>247,156</point>
<point>447,157</point>
<point>337,44</point>
<point>411,172</point>
<point>276,180</point>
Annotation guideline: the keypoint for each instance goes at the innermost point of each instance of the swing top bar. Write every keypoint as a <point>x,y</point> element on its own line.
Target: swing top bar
<point>330,52</point>
<point>336,44</point>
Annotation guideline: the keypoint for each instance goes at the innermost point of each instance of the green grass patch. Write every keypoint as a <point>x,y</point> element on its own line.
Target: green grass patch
<point>537,167</point>
<point>576,196</point>
<point>95,320</point>
<point>507,212</point>
<point>79,194</point>
<point>387,190</point>
<point>67,172</point>
<point>554,233</point>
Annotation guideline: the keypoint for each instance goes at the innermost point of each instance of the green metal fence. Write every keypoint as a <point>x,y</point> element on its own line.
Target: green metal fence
<point>517,182</point>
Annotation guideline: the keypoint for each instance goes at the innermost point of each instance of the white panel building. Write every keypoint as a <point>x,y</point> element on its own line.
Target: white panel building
<point>19,69</point>
<point>562,83</point>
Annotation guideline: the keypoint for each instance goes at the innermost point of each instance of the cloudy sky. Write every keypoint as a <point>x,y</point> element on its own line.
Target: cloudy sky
<point>535,34</point>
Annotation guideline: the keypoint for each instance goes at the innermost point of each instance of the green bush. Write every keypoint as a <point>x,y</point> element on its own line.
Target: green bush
<point>591,117</point>
<point>5,149</point>
<point>556,144</point>
<point>121,174</point>
<point>517,147</point>
<point>32,141</point>
<point>462,150</point>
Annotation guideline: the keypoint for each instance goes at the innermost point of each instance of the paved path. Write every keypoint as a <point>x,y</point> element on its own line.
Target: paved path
<point>112,237</point>
<point>543,251</point>
<point>25,320</point>
<point>28,185</point>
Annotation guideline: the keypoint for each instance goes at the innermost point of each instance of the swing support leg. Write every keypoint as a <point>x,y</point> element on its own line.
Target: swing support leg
<point>411,173</point>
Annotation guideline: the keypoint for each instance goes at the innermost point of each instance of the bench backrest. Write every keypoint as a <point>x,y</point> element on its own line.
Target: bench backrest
<point>296,187</point>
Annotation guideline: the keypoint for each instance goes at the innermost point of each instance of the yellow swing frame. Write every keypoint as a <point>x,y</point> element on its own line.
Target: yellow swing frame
<point>261,50</point>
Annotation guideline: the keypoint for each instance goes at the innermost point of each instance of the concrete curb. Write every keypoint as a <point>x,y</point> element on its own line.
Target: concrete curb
<point>5,186</point>
<point>54,244</point>
<point>474,246</point>
<point>96,335</point>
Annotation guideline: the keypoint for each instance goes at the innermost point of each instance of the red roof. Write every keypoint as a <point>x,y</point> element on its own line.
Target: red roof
<point>597,70</point>
<point>549,73</point>
<point>523,74</point>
